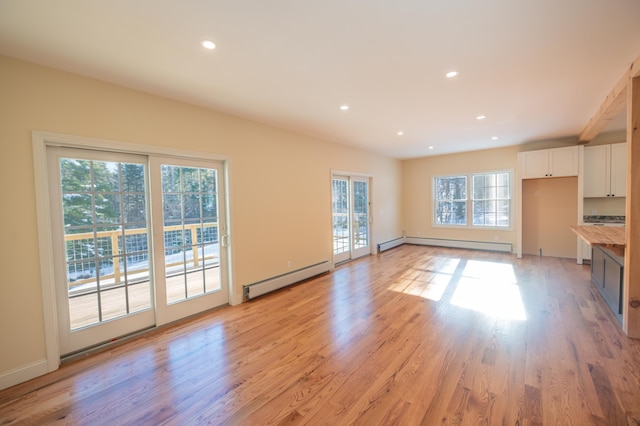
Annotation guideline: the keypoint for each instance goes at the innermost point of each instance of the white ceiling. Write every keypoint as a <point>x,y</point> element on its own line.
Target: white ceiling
<point>537,69</point>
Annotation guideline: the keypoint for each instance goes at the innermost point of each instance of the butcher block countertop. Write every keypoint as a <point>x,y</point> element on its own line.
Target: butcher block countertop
<point>610,237</point>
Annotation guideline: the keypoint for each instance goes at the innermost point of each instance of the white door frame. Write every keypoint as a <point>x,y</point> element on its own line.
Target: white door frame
<point>72,340</point>
<point>350,176</point>
<point>166,312</point>
<point>40,141</point>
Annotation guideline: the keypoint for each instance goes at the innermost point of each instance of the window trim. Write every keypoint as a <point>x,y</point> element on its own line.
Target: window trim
<point>469,217</point>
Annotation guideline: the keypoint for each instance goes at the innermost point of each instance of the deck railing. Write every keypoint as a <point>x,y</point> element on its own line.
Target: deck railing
<point>113,240</point>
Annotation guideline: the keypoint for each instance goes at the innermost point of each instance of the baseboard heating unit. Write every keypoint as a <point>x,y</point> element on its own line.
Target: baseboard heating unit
<point>387,245</point>
<point>475,245</point>
<point>271,284</point>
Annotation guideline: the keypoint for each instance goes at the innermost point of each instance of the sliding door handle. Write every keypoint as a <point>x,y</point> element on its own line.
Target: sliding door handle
<point>224,241</point>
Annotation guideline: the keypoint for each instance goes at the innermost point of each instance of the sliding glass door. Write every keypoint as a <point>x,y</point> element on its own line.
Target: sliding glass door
<point>191,276</point>
<point>351,218</point>
<point>138,241</point>
<point>101,244</point>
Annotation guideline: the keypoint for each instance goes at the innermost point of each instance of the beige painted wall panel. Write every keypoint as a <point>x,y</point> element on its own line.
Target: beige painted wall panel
<point>549,207</point>
<point>417,192</point>
<point>280,183</point>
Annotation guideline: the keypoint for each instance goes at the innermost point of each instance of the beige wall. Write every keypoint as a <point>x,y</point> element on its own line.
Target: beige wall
<point>417,192</point>
<point>280,183</point>
<point>549,207</point>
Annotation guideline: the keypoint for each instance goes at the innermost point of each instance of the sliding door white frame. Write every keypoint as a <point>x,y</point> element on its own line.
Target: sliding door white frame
<point>351,176</point>
<point>40,142</point>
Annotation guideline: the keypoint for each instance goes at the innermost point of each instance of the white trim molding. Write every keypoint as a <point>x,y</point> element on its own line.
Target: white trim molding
<point>464,244</point>
<point>23,373</point>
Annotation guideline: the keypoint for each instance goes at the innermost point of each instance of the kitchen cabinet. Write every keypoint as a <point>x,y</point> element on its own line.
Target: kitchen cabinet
<point>607,276</point>
<point>555,162</point>
<point>605,171</point>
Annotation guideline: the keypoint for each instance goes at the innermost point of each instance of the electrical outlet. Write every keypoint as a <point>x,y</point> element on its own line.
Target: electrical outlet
<point>289,264</point>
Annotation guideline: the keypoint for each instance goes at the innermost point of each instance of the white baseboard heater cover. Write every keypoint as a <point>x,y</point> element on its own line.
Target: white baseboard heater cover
<point>387,245</point>
<point>271,284</point>
<point>475,245</point>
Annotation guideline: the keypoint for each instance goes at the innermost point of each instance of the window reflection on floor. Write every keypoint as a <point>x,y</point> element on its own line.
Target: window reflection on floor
<point>490,288</point>
<point>487,287</point>
<point>489,297</point>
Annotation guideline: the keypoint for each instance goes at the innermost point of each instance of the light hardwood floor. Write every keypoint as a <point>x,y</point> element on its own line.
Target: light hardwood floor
<point>415,335</point>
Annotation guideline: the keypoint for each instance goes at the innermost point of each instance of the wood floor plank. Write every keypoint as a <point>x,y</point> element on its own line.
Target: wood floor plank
<point>415,335</point>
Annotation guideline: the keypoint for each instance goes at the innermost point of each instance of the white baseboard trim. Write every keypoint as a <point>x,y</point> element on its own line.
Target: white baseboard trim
<point>475,245</point>
<point>387,245</point>
<point>22,374</point>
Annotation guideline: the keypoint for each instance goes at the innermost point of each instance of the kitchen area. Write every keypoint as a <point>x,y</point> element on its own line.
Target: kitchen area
<point>585,192</point>
<point>600,212</point>
<point>602,230</point>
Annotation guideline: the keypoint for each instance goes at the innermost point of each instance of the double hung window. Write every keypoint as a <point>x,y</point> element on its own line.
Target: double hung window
<point>450,200</point>
<point>476,200</point>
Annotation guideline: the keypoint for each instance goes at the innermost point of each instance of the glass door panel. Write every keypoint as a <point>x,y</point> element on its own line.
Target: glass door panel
<point>341,219</point>
<point>192,233</point>
<point>350,204</point>
<point>104,287</point>
<point>360,245</point>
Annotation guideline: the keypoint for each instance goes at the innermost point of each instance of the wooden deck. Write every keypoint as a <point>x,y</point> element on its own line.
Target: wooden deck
<point>415,335</point>
<point>83,309</point>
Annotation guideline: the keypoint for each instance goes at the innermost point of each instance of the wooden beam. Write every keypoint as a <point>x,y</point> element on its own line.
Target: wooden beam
<point>635,68</point>
<point>631,290</point>
<point>612,105</point>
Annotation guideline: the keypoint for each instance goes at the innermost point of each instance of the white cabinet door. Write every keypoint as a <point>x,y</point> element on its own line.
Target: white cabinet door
<point>556,162</point>
<point>618,170</point>
<point>596,171</point>
<point>536,164</point>
<point>563,161</point>
<point>605,171</point>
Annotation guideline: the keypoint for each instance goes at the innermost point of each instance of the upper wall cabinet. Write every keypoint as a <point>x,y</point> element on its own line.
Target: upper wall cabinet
<point>556,162</point>
<point>605,170</point>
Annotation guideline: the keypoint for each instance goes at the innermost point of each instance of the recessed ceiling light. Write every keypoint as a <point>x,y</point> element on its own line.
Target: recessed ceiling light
<point>430,147</point>
<point>344,107</point>
<point>481,117</point>
<point>451,74</point>
<point>400,133</point>
<point>208,44</point>
<point>494,138</point>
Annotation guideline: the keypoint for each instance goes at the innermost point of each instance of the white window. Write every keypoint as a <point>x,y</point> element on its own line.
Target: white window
<point>491,199</point>
<point>450,199</point>
<point>488,200</point>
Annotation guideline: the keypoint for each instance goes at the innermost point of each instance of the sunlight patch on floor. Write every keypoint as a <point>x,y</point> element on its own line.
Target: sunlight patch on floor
<point>436,287</point>
<point>490,288</point>
<point>429,281</point>
<point>491,298</point>
<point>487,287</point>
<point>494,271</point>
